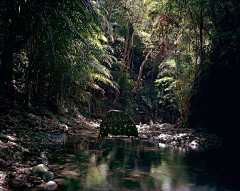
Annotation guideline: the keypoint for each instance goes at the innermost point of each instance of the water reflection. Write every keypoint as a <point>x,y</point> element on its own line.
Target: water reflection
<point>119,165</point>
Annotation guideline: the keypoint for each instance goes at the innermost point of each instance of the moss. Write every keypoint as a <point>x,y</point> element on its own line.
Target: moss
<point>117,123</point>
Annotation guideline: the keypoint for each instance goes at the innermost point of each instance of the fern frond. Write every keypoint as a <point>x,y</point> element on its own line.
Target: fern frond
<point>105,80</point>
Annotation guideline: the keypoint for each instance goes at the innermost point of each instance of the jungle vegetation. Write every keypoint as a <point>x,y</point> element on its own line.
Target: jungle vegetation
<point>161,60</point>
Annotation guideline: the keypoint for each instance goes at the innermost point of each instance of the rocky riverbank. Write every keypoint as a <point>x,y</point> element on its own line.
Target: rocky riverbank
<point>31,141</point>
<point>24,158</point>
<point>166,134</point>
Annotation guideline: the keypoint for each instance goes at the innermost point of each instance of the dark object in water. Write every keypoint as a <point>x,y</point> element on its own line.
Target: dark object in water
<point>117,123</point>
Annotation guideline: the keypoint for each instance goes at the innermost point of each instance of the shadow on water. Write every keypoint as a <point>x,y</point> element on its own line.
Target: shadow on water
<point>119,165</point>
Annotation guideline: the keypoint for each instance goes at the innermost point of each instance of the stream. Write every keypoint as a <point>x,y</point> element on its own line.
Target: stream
<point>120,164</point>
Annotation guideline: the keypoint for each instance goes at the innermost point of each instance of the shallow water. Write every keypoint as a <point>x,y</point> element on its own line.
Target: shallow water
<point>121,165</point>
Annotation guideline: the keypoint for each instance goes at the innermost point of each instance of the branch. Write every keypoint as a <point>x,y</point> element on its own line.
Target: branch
<point>140,72</point>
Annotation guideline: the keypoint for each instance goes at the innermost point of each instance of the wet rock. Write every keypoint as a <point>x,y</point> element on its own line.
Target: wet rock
<point>194,143</point>
<point>2,179</point>
<point>143,136</point>
<point>39,170</point>
<point>45,162</point>
<point>51,185</point>
<point>174,143</point>
<point>154,127</point>
<point>45,155</point>
<point>47,176</point>
<point>155,137</point>
<point>63,127</point>
<point>165,126</point>
<point>27,171</point>
<point>164,137</point>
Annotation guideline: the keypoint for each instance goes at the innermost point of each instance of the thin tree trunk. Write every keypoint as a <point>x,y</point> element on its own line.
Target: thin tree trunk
<point>125,50</point>
<point>140,72</point>
<point>129,55</point>
<point>124,58</point>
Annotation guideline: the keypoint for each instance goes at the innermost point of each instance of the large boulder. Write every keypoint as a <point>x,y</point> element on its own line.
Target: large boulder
<point>117,123</point>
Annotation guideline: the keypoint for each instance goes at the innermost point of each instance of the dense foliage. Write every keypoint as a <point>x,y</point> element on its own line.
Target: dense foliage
<point>161,60</point>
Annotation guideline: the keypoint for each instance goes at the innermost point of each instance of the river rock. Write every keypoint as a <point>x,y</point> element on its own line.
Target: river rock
<point>51,185</point>
<point>154,127</point>
<point>27,171</point>
<point>164,137</point>
<point>47,176</point>
<point>63,127</point>
<point>46,163</point>
<point>39,170</point>
<point>143,136</point>
<point>194,143</point>
<point>45,155</point>
<point>165,126</point>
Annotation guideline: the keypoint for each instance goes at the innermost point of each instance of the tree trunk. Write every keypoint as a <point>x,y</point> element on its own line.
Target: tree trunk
<point>140,72</point>
<point>124,58</point>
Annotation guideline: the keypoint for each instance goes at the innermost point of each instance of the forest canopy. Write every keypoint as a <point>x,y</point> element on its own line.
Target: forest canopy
<point>161,60</point>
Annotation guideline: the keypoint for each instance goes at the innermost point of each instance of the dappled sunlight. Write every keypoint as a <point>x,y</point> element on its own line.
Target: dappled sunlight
<point>93,176</point>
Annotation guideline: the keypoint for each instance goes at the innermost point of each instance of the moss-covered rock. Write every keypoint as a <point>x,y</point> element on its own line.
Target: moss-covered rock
<point>117,123</point>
